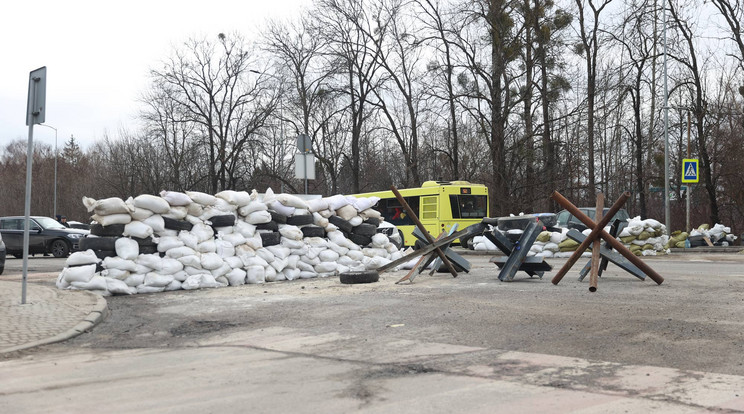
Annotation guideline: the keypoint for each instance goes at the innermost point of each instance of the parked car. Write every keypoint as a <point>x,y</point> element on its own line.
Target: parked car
<point>46,235</point>
<point>78,225</point>
<point>566,220</point>
<point>2,255</point>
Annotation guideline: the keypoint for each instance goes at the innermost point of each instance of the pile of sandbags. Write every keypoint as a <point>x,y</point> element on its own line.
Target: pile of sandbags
<point>196,240</point>
<point>719,235</point>
<point>642,237</point>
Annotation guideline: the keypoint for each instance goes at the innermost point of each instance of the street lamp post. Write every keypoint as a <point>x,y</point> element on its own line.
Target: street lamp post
<point>55,168</point>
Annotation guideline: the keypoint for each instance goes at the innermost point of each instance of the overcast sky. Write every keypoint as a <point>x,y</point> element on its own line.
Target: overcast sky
<point>98,54</point>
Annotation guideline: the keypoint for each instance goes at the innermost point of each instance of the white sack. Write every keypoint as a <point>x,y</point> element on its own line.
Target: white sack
<point>156,204</point>
<point>95,283</point>
<point>126,248</point>
<point>110,219</point>
<point>255,274</point>
<point>78,273</point>
<point>238,198</point>
<point>137,229</point>
<point>82,258</point>
<point>153,279</point>
<point>202,198</point>
<point>175,198</point>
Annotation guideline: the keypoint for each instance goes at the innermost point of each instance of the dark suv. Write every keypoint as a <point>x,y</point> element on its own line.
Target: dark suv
<point>46,235</point>
<point>567,220</point>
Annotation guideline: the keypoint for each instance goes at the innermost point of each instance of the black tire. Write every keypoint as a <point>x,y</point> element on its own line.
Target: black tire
<point>60,248</point>
<point>271,239</point>
<point>365,229</point>
<point>313,231</point>
<point>418,244</point>
<point>113,230</point>
<point>17,255</point>
<point>464,241</point>
<point>398,244</point>
<point>102,254</point>
<point>178,225</point>
<point>148,249</point>
<point>272,225</point>
<point>227,220</point>
<point>300,220</point>
<point>277,217</point>
<point>360,239</point>
<point>373,221</point>
<point>98,243</point>
<point>342,224</point>
<point>352,278</point>
<point>147,241</point>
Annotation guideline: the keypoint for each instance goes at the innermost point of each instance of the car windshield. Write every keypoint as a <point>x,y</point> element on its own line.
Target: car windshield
<point>49,223</point>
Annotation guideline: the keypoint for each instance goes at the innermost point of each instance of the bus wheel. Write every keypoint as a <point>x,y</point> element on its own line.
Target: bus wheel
<point>418,245</point>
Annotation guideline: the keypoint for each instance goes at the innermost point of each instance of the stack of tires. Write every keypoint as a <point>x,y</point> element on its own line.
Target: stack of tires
<point>102,240</point>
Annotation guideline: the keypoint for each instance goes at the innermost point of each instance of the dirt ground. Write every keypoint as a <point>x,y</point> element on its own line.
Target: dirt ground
<point>692,321</point>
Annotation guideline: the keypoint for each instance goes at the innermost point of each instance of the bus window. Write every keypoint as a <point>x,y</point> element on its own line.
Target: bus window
<point>468,206</point>
<point>394,213</point>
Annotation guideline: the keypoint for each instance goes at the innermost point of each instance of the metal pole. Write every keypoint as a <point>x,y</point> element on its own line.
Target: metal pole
<point>27,208</point>
<point>667,218</point>
<point>689,185</point>
<point>304,168</point>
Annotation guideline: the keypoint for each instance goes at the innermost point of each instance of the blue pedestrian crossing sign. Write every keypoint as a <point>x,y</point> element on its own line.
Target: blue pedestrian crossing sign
<point>690,171</point>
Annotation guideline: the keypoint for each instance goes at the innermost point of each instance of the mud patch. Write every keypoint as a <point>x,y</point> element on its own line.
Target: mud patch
<point>200,327</point>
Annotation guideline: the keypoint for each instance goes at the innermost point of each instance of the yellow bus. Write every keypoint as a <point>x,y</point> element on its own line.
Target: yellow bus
<point>438,204</point>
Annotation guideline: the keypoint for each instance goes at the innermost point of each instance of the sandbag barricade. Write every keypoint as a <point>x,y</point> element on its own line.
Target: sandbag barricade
<point>194,240</point>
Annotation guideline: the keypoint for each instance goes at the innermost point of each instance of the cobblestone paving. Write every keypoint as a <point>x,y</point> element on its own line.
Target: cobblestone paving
<point>45,314</point>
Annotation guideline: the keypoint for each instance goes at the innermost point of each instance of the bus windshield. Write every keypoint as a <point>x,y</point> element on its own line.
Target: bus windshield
<point>468,206</point>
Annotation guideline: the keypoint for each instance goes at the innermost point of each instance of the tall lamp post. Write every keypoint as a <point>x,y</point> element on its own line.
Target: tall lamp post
<point>55,167</point>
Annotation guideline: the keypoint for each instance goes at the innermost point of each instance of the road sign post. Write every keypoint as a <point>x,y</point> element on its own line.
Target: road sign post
<point>35,114</point>
<point>690,174</point>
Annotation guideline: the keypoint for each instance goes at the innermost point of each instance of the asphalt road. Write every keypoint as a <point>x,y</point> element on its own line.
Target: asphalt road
<point>693,321</point>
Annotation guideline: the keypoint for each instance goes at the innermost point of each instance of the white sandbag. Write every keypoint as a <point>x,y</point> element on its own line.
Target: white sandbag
<point>155,222</point>
<point>347,261</point>
<point>166,243</point>
<point>175,198</point>
<point>154,279</point>
<point>341,250</point>
<point>235,238</point>
<point>118,287</point>
<point>270,274</point>
<point>238,198</point>
<point>177,213</point>
<point>337,201</point>
<point>116,262</point>
<point>557,237</point>
<point>244,250</point>
<point>317,204</point>
<point>395,256</point>
<point>292,261</point>
<point>151,261</point>
<point>310,260</point>
<point>291,274</point>
<point>292,244</point>
<point>180,276</point>
<point>236,277</point>
<point>379,240</point>
<point>320,220</point>
<point>202,232</point>
<point>116,273</point>
<point>255,242</point>
<point>325,267</point>
<point>208,281</point>
<point>290,232</point>
<point>156,204</point>
<point>221,271</point>
<point>279,251</point>
<point>370,213</point>
<point>168,232</point>
<point>304,266</point>
<point>126,248</point>
<point>305,274</point>
<point>374,252</point>
<point>211,261</point>
<point>376,262</point>
<point>278,264</point>
<point>364,203</point>
<point>180,252</point>
<point>265,254</point>
<point>170,266</point>
<point>187,239</point>
<point>137,229</point>
<point>142,289</point>
<point>208,246</point>
<point>258,217</point>
<point>190,260</point>
<point>551,247</point>
<point>281,208</point>
<point>140,213</point>
<point>224,248</point>
<point>245,229</point>
<point>78,273</point>
<point>195,209</point>
<point>252,207</point>
<point>174,285</point>
<point>82,258</point>
<point>224,205</point>
<point>356,220</point>
<point>328,256</point>
<point>191,270</point>
<point>95,283</point>
<point>202,198</point>
<point>301,251</point>
<point>110,219</point>
<point>326,213</point>
<point>356,255</point>
<point>255,274</point>
<point>135,280</point>
<point>346,212</point>
<point>106,206</point>
<point>234,262</point>
<point>290,200</point>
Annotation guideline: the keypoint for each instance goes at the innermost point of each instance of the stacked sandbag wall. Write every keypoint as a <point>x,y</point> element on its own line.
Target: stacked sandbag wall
<point>643,238</point>
<point>196,240</point>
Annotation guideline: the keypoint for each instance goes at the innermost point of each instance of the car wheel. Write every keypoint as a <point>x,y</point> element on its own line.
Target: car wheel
<point>17,255</point>
<point>60,248</point>
<point>352,278</point>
